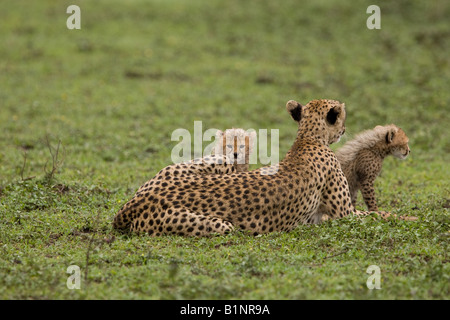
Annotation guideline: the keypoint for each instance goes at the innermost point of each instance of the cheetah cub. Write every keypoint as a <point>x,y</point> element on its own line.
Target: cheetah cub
<point>236,145</point>
<point>230,154</point>
<point>361,159</point>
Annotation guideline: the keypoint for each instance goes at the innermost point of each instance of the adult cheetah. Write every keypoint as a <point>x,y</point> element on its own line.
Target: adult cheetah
<point>305,184</point>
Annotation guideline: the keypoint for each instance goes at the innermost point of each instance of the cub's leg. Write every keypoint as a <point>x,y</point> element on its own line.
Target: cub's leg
<point>341,205</point>
<point>368,193</point>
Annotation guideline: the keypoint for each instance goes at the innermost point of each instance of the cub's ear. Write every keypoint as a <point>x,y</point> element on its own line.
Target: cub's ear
<point>251,134</point>
<point>252,141</point>
<point>295,109</point>
<point>390,136</point>
<point>219,134</point>
<point>333,115</point>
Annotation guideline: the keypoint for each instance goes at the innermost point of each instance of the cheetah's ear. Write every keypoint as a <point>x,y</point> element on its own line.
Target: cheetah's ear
<point>390,136</point>
<point>333,115</point>
<point>295,109</point>
<point>251,135</point>
<point>219,134</point>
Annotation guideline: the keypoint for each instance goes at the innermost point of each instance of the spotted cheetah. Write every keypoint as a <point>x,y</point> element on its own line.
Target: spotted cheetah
<point>305,184</point>
<point>361,159</point>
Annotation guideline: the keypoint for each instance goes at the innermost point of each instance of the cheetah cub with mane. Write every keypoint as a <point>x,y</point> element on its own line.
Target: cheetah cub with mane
<point>361,159</point>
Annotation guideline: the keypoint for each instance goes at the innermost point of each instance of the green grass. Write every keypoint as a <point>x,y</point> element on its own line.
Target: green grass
<point>114,91</point>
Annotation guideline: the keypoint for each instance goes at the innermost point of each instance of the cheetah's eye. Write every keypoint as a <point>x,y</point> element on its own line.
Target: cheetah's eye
<point>242,146</point>
<point>229,146</point>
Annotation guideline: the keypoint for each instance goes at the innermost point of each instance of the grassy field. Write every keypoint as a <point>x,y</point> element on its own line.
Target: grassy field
<point>86,117</point>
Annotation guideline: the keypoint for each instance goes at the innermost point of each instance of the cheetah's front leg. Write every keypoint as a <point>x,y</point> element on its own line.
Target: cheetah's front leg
<point>368,193</point>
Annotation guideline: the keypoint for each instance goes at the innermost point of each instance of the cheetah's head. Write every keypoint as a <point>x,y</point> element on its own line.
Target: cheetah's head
<point>323,120</point>
<point>396,141</point>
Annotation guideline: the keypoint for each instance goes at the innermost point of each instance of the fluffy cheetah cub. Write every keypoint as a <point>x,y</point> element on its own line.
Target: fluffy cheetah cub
<point>237,145</point>
<point>230,154</point>
<point>361,159</point>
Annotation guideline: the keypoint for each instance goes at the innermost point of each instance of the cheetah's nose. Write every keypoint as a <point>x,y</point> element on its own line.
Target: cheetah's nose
<point>235,155</point>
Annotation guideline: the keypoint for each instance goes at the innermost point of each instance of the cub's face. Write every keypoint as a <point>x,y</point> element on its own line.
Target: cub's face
<point>399,144</point>
<point>236,144</point>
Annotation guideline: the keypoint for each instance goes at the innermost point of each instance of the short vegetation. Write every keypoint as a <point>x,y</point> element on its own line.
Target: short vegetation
<point>86,118</point>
